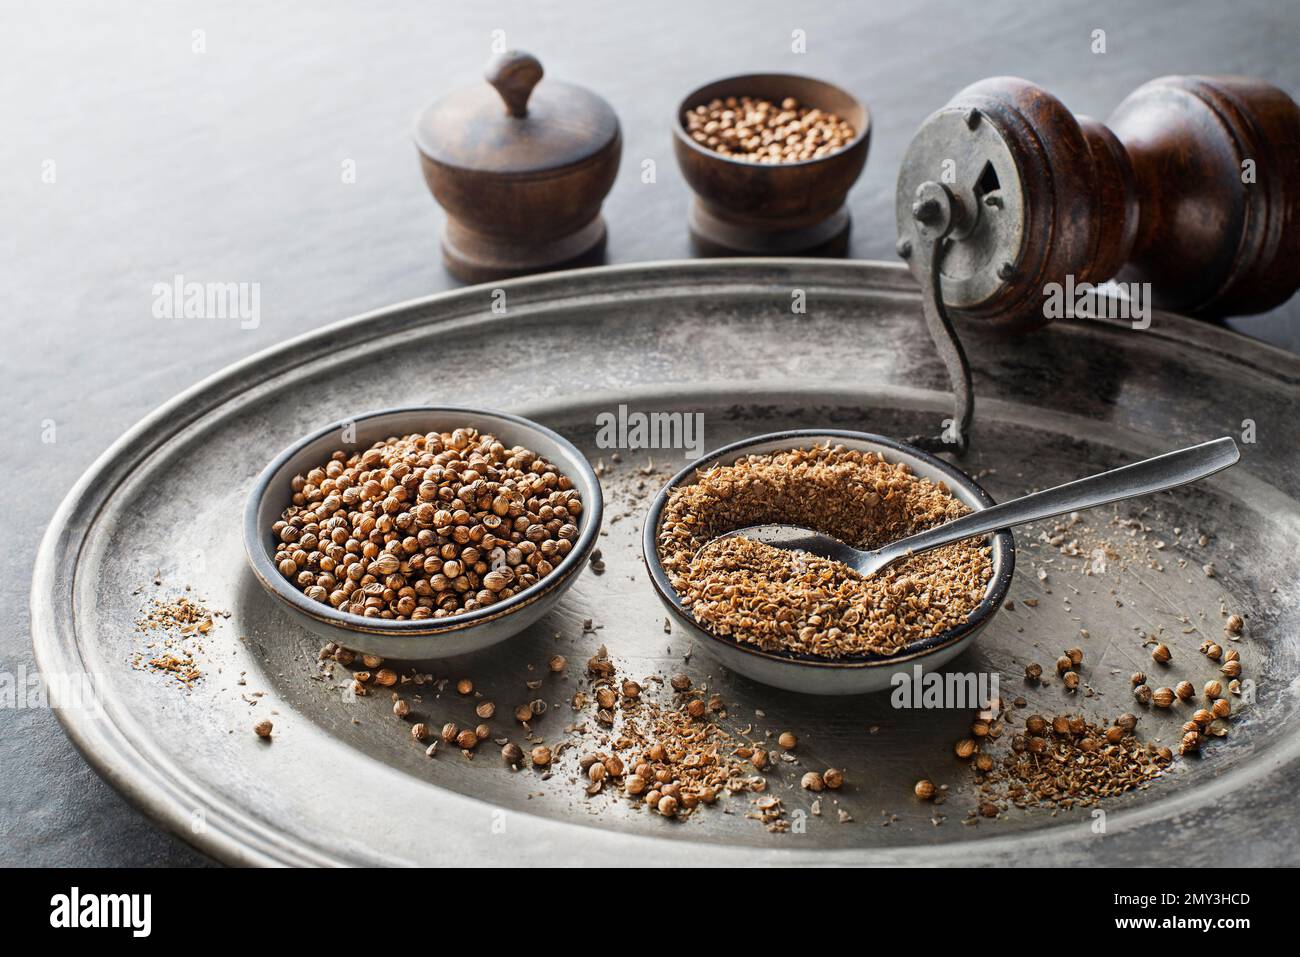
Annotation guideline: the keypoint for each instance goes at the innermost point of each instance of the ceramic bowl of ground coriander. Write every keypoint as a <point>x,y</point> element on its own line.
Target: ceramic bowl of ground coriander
<point>422,533</point>
<point>804,623</point>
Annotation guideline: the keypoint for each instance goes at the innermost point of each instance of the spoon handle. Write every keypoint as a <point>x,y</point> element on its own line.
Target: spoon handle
<point>1129,481</point>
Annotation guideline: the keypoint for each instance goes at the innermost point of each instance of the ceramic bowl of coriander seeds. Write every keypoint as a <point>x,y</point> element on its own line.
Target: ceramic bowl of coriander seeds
<point>770,158</point>
<point>806,624</point>
<point>422,533</point>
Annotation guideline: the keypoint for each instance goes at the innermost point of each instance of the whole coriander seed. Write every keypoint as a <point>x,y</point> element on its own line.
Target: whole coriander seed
<point>1202,717</point>
<point>787,740</point>
<point>964,748</point>
<point>634,784</point>
<point>1234,625</point>
<point>1143,694</point>
<point>419,731</point>
<point>523,714</point>
<point>667,806</point>
<point>485,709</point>
<point>464,686</point>
<point>758,758</point>
<point>1221,708</point>
<point>1075,655</point>
<point>512,754</point>
<point>401,708</point>
<point>1213,651</point>
<point>1161,654</point>
<point>1185,690</point>
<point>1138,678</point>
<point>1063,664</point>
<point>680,682</point>
<point>1033,671</point>
<point>1114,734</point>
<point>1071,680</point>
<point>1231,669</point>
<point>264,728</point>
<point>541,756</point>
<point>467,740</point>
<point>557,664</point>
<point>924,789</point>
<point>833,778</point>
<point>983,763</point>
<point>1163,697</point>
<point>1127,722</point>
<point>1191,742</point>
<point>812,781</point>
<point>1035,724</point>
<point>1213,689</point>
<point>449,732</point>
<point>696,708</point>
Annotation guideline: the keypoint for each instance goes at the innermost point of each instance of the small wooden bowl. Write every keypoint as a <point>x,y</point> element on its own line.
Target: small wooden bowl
<point>779,209</point>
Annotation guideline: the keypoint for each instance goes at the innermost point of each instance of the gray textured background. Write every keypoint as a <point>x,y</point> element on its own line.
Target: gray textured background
<point>226,166</point>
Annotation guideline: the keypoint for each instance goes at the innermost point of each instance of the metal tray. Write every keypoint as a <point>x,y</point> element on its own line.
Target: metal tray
<point>344,783</point>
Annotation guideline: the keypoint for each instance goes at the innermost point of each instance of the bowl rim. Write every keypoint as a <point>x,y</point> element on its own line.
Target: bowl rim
<point>259,558</point>
<point>679,131</point>
<point>1004,564</point>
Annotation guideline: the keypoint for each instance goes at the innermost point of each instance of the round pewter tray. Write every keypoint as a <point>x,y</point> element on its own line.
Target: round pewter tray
<point>343,782</point>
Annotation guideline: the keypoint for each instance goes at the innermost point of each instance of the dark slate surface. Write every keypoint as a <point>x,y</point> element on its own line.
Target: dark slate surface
<point>226,165</point>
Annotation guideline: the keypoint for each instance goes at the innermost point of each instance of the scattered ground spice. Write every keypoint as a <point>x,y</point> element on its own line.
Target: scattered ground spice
<point>176,629</point>
<point>780,600</point>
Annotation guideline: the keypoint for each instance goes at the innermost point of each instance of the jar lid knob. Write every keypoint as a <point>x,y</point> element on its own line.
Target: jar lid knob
<point>514,74</point>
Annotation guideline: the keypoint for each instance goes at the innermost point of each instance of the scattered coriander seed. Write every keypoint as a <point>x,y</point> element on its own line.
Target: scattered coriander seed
<point>1063,664</point>
<point>1231,668</point>
<point>557,664</point>
<point>1221,708</point>
<point>1127,721</point>
<point>964,748</point>
<point>512,754</point>
<point>263,728</point>
<point>1035,724</point>
<point>1161,654</point>
<point>464,686</point>
<point>680,682</point>
<point>812,781</point>
<point>1213,652</point>
<point>541,756</point>
<point>1114,734</point>
<point>385,677</point>
<point>1143,694</point>
<point>467,740</point>
<point>1185,690</point>
<point>758,758</point>
<point>667,806</point>
<point>980,728</point>
<point>523,714</point>
<point>485,709</point>
<point>1033,671</point>
<point>596,773</point>
<point>1191,742</point>
<point>449,732</point>
<point>1061,724</point>
<point>419,731</point>
<point>1138,678</point>
<point>1232,654</point>
<point>787,740</point>
<point>1163,697</point>
<point>988,809</point>
<point>924,789</point>
<point>696,708</point>
<point>833,778</point>
<point>983,763</point>
<point>1071,680</point>
<point>1075,655</point>
<point>1213,689</point>
<point>1202,716</point>
<point>1234,686</point>
<point>401,708</point>
<point>634,784</point>
<point>1234,625</point>
<point>1164,754</point>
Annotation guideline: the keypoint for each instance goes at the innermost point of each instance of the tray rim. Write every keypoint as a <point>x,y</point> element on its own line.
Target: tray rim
<point>236,838</point>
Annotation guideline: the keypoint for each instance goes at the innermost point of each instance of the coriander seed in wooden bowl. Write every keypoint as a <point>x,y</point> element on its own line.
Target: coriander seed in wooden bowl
<point>799,622</point>
<point>770,158</point>
<point>423,533</point>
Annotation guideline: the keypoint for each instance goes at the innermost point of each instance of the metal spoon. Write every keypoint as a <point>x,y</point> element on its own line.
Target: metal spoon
<point>1129,481</point>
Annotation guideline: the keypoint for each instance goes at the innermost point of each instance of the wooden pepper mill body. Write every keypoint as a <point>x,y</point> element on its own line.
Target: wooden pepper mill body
<point>1192,186</point>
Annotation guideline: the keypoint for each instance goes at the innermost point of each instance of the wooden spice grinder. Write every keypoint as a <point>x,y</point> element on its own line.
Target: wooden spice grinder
<point>521,166</point>
<point>1193,187</point>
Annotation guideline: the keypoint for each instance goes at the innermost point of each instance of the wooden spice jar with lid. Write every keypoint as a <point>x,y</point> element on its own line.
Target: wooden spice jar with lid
<point>521,167</point>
